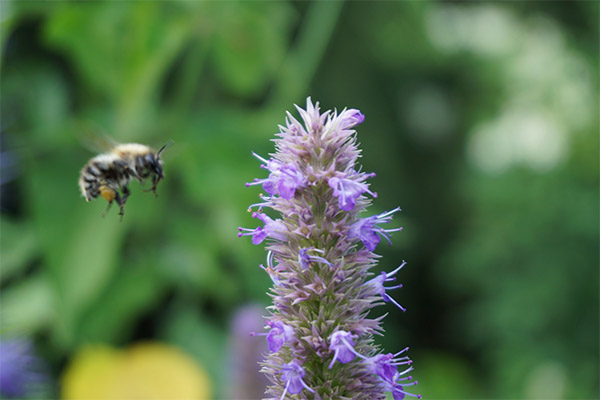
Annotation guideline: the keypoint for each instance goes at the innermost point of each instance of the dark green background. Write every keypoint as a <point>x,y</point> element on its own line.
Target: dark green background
<point>481,123</point>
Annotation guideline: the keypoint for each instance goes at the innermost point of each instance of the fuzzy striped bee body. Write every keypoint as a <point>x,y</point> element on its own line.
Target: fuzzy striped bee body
<point>107,173</point>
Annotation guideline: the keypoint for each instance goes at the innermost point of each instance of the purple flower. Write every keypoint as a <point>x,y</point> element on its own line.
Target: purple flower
<point>274,229</point>
<point>306,259</point>
<point>289,180</point>
<point>245,380</point>
<point>322,292</point>
<point>386,365</point>
<point>342,345</point>
<point>381,365</point>
<point>20,369</point>
<point>397,387</point>
<point>292,374</point>
<point>278,335</point>
<point>351,118</point>
<point>347,191</point>
<point>369,232</point>
<point>377,284</point>
<point>346,120</point>
<point>283,179</point>
<point>258,234</point>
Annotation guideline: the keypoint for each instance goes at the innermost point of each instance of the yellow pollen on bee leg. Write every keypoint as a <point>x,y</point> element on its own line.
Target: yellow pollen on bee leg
<point>108,193</point>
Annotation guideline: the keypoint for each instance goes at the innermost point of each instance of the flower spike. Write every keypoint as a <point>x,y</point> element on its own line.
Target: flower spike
<point>320,255</point>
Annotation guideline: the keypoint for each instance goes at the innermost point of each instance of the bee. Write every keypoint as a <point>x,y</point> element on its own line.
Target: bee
<point>107,173</point>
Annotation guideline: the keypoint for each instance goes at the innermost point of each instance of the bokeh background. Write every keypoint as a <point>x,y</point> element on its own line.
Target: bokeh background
<point>481,123</point>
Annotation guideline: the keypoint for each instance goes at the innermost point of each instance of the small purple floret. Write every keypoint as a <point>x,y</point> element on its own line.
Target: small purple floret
<point>342,345</point>
<point>398,392</point>
<point>306,259</point>
<point>292,374</point>
<point>350,118</point>
<point>347,191</point>
<point>386,365</point>
<point>369,232</point>
<point>278,335</point>
<point>381,365</point>
<point>378,282</point>
<point>283,179</point>
<point>290,179</point>
<point>273,228</point>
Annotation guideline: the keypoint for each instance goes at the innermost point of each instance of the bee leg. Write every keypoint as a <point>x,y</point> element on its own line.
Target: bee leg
<point>121,202</point>
<point>126,194</point>
<point>106,209</point>
<point>155,180</point>
<point>136,175</point>
<point>133,173</point>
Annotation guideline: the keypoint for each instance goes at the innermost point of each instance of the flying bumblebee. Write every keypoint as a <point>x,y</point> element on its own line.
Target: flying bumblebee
<point>107,173</point>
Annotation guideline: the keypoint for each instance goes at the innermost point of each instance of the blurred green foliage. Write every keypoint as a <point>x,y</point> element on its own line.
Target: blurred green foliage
<point>481,124</point>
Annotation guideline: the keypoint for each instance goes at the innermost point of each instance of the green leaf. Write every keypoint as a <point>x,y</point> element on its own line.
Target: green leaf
<point>28,306</point>
<point>251,48</point>
<point>444,376</point>
<point>18,246</point>
<point>132,291</point>
<point>123,50</point>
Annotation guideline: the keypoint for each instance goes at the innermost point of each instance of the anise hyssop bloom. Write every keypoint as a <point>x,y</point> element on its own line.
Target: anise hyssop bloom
<point>320,250</point>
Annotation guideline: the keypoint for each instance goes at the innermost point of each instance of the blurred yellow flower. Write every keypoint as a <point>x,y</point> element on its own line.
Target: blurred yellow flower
<point>144,371</point>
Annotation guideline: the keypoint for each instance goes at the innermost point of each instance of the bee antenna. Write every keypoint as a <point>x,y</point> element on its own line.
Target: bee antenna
<point>167,145</point>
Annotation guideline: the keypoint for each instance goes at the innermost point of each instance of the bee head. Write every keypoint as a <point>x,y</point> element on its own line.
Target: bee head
<point>158,169</point>
<point>108,193</point>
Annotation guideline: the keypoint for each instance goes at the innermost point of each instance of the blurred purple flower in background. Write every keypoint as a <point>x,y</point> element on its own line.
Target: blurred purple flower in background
<point>246,381</point>
<point>319,257</point>
<point>20,370</point>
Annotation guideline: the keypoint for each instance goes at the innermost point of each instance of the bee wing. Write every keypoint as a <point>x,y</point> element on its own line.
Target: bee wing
<point>93,137</point>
